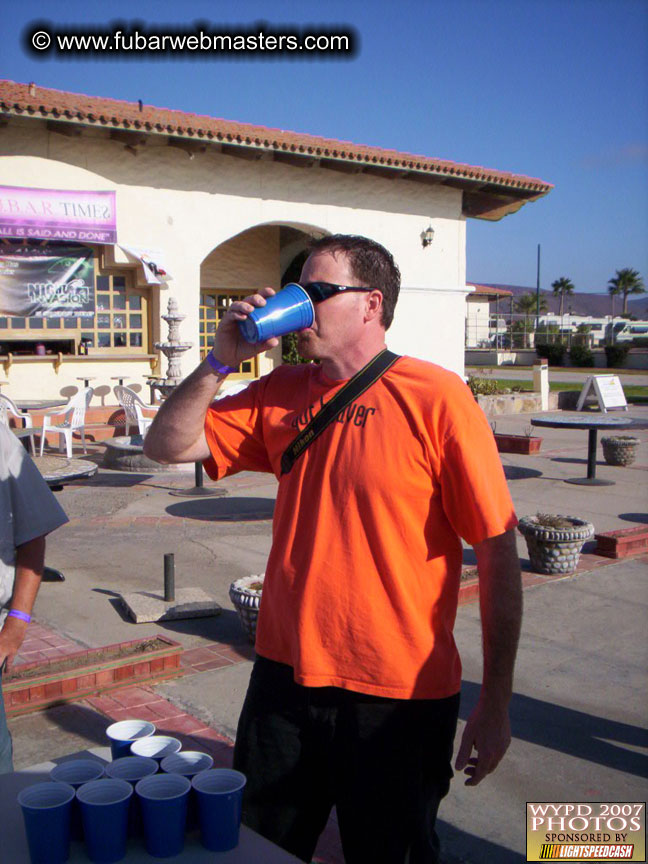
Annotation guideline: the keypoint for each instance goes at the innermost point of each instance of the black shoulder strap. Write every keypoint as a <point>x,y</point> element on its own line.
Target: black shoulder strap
<point>354,387</point>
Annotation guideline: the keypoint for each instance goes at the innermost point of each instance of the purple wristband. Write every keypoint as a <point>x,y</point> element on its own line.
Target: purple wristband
<point>16,613</point>
<point>219,367</point>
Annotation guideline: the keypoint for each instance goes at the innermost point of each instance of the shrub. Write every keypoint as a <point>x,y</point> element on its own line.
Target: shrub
<point>616,355</point>
<point>289,352</point>
<point>484,386</point>
<point>555,354</point>
<point>579,355</point>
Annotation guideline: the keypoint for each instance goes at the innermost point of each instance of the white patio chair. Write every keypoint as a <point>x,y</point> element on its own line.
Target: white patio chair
<point>8,407</point>
<point>74,421</point>
<point>134,408</point>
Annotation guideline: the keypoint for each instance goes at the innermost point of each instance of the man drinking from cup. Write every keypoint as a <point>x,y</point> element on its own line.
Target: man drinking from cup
<point>354,695</point>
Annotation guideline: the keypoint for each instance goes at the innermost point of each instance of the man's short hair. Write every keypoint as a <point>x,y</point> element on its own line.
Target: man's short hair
<point>371,264</point>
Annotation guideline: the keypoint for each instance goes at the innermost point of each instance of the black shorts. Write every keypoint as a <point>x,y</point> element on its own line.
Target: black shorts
<point>385,764</point>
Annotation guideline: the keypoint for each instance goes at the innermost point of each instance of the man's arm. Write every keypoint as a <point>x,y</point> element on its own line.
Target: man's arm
<point>178,432</point>
<point>30,558</point>
<point>488,730</point>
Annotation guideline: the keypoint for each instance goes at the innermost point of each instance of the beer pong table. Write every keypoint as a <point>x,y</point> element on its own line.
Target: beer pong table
<point>252,847</point>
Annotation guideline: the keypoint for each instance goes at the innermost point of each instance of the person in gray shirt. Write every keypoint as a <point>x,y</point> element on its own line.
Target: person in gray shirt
<point>28,511</point>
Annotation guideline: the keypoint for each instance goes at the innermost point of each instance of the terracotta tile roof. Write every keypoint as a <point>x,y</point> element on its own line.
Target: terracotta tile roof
<point>31,100</point>
<point>488,290</point>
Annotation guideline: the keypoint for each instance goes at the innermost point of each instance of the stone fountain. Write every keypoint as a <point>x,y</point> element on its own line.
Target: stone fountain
<point>173,350</point>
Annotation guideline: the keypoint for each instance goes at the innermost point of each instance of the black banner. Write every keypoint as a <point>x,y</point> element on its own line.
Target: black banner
<point>51,281</point>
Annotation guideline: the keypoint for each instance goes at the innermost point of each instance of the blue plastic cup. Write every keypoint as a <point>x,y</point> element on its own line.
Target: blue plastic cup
<point>163,799</point>
<point>76,772</point>
<point>123,733</point>
<point>286,311</point>
<point>47,809</point>
<point>219,792</point>
<point>132,769</point>
<point>104,812</point>
<point>156,747</point>
<point>188,763</point>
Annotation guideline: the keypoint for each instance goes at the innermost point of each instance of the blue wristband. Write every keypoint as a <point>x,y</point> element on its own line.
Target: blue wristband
<point>16,613</point>
<point>219,367</point>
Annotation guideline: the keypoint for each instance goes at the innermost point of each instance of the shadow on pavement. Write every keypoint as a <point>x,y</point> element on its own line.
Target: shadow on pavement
<point>63,729</point>
<point>115,602</point>
<point>634,517</point>
<point>224,509</point>
<point>116,480</point>
<point>224,628</point>
<point>461,847</point>
<point>580,735</point>
<point>515,472</point>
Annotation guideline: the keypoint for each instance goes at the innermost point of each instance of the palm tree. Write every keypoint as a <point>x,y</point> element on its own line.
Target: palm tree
<point>526,305</point>
<point>626,281</point>
<point>561,287</point>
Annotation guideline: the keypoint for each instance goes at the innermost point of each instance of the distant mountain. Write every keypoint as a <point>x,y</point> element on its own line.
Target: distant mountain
<point>579,303</point>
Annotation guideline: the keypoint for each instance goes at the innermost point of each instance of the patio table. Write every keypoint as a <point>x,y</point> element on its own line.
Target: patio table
<point>26,405</point>
<point>57,470</point>
<point>592,424</point>
<point>252,847</point>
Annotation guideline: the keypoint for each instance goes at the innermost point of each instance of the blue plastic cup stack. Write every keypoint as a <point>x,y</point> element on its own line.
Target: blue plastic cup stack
<point>219,793</point>
<point>286,311</point>
<point>188,763</point>
<point>47,809</point>
<point>132,769</point>
<point>156,747</point>
<point>123,733</point>
<point>163,800</point>
<point>104,811</point>
<point>76,772</point>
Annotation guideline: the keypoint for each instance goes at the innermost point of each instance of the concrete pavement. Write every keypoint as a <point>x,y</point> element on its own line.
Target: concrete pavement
<point>579,709</point>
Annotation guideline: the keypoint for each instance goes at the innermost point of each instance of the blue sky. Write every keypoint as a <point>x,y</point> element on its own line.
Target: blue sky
<point>555,89</point>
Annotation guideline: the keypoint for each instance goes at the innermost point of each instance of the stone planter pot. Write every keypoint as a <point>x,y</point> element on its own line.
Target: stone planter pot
<point>555,550</point>
<point>620,449</point>
<point>245,595</point>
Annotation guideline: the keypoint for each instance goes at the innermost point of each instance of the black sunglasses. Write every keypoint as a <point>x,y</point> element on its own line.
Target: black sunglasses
<point>319,291</point>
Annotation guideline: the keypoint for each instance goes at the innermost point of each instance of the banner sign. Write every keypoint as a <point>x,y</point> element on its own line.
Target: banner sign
<point>46,281</point>
<point>56,214</point>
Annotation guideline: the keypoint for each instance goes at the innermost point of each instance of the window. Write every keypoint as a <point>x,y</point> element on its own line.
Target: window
<point>121,318</point>
<point>213,305</point>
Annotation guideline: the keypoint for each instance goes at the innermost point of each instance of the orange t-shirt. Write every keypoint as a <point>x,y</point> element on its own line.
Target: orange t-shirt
<point>362,581</point>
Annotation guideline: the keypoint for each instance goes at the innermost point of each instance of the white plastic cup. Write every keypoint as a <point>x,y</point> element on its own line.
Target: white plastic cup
<point>123,733</point>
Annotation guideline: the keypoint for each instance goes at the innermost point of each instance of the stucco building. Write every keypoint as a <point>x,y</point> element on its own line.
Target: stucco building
<point>222,208</point>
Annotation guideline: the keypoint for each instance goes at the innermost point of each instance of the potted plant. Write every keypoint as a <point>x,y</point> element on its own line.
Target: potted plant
<point>620,449</point>
<point>554,542</point>
<point>245,594</point>
<point>525,444</point>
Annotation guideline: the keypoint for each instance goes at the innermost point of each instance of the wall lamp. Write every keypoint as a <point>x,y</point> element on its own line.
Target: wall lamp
<point>427,236</point>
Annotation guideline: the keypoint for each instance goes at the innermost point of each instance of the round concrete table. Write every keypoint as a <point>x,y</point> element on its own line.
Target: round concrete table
<point>592,423</point>
<point>57,470</point>
<point>39,404</point>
